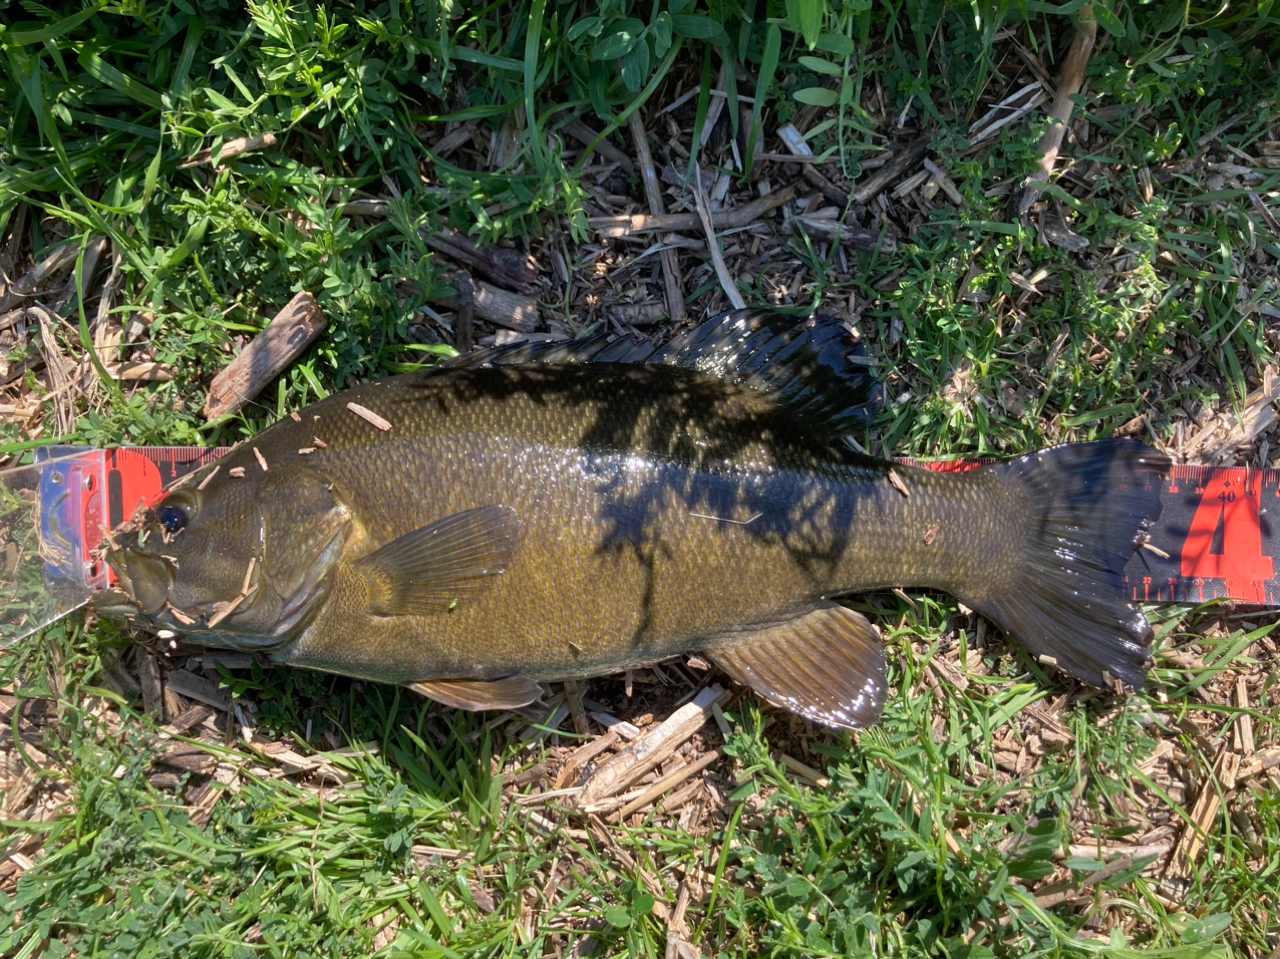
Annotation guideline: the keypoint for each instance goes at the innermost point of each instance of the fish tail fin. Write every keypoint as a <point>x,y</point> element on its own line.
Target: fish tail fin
<point>1090,505</point>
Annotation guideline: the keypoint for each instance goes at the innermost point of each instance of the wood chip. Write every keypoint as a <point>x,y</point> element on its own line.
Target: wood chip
<point>834,231</point>
<point>186,719</point>
<point>195,687</point>
<point>623,728</point>
<point>655,747</point>
<point>1011,108</point>
<point>226,779</point>
<point>306,450</point>
<point>1069,83</point>
<point>804,771</point>
<point>262,460</point>
<point>57,260</point>
<point>231,149</point>
<point>896,481</point>
<point>944,181</point>
<point>1260,761</point>
<point>514,311</point>
<point>226,610</point>
<point>1227,432</point>
<point>188,756</point>
<point>583,755</point>
<point>736,218</point>
<point>1242,733</point>
<point>677,930</point>
<point>667,783</point>
<point>288,333</point>
<point>574,699</point>
<point>149,679</point>
<point>237,472</point>
<point>1204,815</point>
<point>900,163</point>
<point>506,267</point>
<point>439,852</point>
<point>296,416</point>
<point>204,481</point>
<point>179,615</point>
<point>141,371</point>
<point>673,282</point>
<point>368,416</point>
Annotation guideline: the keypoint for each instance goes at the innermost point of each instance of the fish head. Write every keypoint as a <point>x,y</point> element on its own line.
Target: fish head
<point>241,563</point>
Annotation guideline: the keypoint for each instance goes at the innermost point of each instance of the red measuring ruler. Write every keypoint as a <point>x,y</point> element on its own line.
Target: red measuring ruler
<point>1218,528</point>
<point>1215,538</point>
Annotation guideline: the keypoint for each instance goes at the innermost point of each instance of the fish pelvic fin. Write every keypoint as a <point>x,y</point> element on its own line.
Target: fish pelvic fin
<point>1090,506</point>
<point>827,665</point>
<point>480,694</point>
<point>432,569</point>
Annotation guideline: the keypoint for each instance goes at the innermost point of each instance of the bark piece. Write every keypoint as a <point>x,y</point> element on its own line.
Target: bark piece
<point>833,231</point>
<point>667,783</point>
<point>901,162</point>
<point>230,149</point>
<point>509,268</point>
<point>149,678</point>
<point>198,688</point>
<point>645,753</point>
<point>1069,84</point>
<point>499,307</point>
<point>672,280</point>
<point>290,332</point>
<point>57,260</point>
<point>585,135</point>
<point>745,215</point>
<point>1229,431</point>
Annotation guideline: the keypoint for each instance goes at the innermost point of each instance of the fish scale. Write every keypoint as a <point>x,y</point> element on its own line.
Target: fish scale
<point>530,516</point>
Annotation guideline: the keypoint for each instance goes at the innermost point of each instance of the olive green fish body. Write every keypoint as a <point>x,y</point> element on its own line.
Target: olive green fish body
<point>552,522</point>
<point>640,533</point>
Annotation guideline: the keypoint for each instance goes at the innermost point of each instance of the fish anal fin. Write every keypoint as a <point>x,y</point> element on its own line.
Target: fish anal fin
<point>827,665</point>
<point>480,694</point>
<point>433,568</point>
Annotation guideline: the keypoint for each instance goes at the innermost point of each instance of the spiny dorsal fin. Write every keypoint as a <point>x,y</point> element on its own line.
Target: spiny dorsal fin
<point>811,364</point>
<point>827,664</point>
<point>433,568</point>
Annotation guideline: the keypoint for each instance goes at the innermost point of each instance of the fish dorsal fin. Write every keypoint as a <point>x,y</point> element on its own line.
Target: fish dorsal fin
<point>433,568</point>
<point>827,664</point>
<point>478,694</point>
<point>811,364</point>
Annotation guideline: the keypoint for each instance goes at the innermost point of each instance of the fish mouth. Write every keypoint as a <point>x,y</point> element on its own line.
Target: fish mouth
<point>144,579</point>
<point>113,603</point>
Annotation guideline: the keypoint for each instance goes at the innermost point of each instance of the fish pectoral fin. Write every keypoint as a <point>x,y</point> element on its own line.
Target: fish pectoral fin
<point>478,694</point>
<point>827,664</point>
<point>433,568</point>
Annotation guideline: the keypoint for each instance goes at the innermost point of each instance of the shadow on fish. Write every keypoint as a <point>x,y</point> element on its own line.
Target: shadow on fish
<point>560,511</point>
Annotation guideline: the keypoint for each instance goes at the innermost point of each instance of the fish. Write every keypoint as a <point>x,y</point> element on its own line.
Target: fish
<point>563,511</point>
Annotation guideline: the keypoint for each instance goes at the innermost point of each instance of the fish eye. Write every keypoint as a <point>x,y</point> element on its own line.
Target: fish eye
<point>173,517</point>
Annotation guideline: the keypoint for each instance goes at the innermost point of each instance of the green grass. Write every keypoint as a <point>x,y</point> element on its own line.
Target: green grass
<point>923,843</point>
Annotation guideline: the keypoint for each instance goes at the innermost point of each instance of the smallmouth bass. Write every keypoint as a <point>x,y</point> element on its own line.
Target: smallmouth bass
<point>563,512</point>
